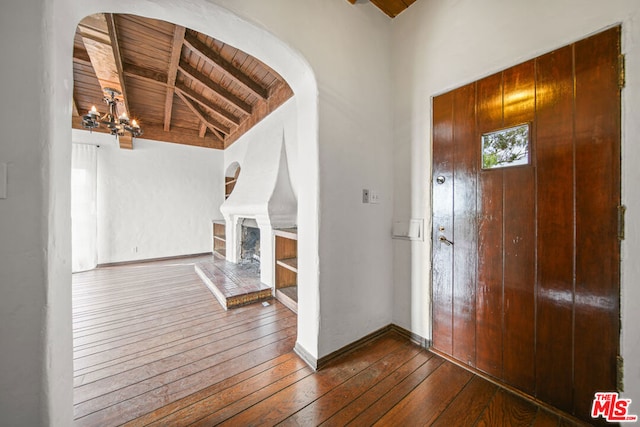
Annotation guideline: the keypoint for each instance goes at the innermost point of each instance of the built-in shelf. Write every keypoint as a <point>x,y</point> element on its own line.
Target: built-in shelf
<point>290,263</point>
<point>230,183</point>
<point>220,238</point>
<point>286,266</point>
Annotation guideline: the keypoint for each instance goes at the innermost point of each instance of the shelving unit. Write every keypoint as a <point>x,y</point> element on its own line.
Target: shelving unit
<point>230,183</point>
<point>286,283</point>
<point>220,238</point>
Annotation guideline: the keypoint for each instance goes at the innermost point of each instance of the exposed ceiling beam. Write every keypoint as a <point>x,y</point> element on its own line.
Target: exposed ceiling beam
<point>207,104</point>
<point>99,35</point>
<point>176,50</point>
<point>203,130</point>
<point>81,56</point>
<point>210,122</point>
<point>74,107</point>
<point>279,94</point>
<point>115,47</point>
<point>144,73</point>
<point>125,141</point>
<point>176,135</point>
<point>201,78</point>
<point>97,41</point>
<point>161,78</point>
<point>215,59</point>
<point>391,8</point>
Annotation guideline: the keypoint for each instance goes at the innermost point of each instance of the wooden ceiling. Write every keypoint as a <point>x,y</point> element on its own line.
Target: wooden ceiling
<point>180,85</point>
<point>391,8</point>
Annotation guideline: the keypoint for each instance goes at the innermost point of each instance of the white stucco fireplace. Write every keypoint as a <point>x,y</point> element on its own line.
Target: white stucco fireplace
<point>262,198</point>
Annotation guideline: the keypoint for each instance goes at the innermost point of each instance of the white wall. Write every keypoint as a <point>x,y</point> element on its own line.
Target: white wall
<point>344,130</point>
<point>439,45</point>
<point>23,221</point>
<point>279,125</point>
<point>156,200</point>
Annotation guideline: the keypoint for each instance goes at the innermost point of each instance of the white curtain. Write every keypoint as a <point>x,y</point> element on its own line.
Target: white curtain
<point>84,228</point>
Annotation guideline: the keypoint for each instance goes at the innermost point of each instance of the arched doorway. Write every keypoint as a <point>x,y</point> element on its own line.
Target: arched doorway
<point>208,18</point>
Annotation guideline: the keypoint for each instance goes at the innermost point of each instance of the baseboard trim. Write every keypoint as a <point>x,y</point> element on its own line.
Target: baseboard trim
<point>421,341</point>
<point>306,356</point>
<point>142,261</point>
<point>325,360</point>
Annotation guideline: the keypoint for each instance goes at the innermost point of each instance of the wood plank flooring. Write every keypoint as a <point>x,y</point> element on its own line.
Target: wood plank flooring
<point>152,346</point>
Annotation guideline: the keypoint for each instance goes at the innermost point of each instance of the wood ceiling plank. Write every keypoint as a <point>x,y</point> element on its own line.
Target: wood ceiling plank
<point>207,103</point>
<point>211,123</point>
<point>215,87</point>
<point>176,50</point>
<point>223,65</point>
<point>145,73</point>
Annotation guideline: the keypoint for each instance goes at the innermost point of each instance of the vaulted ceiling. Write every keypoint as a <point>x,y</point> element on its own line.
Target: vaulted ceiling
<point>181,86</point>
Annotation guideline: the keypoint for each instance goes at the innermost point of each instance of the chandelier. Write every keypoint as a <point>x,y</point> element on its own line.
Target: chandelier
<point>117,125</point>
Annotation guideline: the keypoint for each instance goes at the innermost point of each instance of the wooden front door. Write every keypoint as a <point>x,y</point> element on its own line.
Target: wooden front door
<point>526,258</point>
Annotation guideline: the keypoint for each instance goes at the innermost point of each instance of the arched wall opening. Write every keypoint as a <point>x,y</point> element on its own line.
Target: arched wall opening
<point>216,21</point>
<point>232,170</point>
<point>231,175</point>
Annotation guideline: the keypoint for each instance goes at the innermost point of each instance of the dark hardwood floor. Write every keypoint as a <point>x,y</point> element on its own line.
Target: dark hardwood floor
<point>152,346</point>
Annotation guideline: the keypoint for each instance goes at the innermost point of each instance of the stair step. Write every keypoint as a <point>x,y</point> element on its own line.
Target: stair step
<point>233,285</point>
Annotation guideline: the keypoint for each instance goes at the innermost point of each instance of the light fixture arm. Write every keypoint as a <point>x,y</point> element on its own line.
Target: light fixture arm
<point>117,125</point>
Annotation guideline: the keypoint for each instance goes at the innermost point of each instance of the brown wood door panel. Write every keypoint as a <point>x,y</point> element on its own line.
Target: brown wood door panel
<point>597,135</point>
<point>529,292</point>
<point>554,152</point>
<point>489,294</point>
<point>519,239</point>
<point>442,194</point>
<point>465,250</point>
<point>519,278</point>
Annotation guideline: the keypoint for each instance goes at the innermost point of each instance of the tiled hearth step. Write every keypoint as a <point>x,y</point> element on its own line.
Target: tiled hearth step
<point>233,285</point>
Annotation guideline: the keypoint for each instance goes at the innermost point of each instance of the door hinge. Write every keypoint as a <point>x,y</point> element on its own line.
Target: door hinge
<point>622,209</point>
<point>621,71</point>
<point>620,373</point>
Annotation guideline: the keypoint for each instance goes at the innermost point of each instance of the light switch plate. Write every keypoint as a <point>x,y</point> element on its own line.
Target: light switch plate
<point>3,180</point>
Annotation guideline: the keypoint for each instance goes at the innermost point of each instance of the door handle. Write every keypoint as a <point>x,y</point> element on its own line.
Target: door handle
<point>446,241</point>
